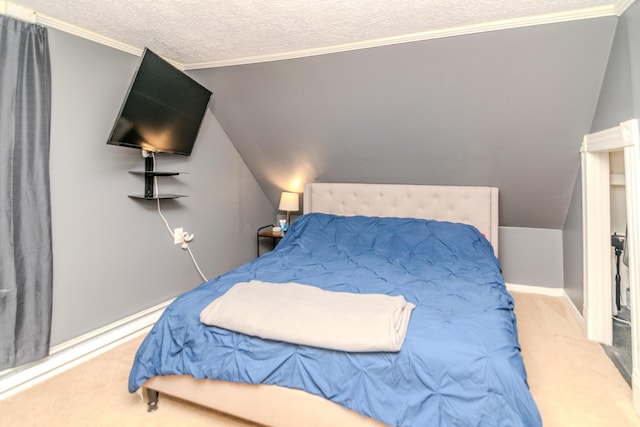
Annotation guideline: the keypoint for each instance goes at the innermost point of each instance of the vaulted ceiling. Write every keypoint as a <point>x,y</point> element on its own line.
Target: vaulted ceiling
<point>507,108</point>
<point>450,92</point>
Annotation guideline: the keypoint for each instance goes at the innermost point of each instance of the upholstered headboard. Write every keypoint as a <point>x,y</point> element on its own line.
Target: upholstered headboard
<point>477,206</point>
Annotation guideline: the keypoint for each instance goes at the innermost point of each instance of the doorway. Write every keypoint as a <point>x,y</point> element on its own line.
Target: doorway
<point>596,229</point>
<point>620,350</point>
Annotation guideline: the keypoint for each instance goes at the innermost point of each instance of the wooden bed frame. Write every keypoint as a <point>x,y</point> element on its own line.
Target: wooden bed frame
<point>284,407</point>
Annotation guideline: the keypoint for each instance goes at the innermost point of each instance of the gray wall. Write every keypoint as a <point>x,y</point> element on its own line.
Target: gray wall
<point>618,101</point>
<point>615,103</point>
<point>503,108</point>
<point>112,255</point>
<point>531,256</point>
<point>572,246</point>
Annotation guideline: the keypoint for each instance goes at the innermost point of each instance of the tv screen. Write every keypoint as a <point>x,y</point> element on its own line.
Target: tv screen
<point>163,109</point>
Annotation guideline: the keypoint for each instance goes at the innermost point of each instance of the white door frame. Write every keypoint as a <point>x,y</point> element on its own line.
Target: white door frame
<point>596,229</point>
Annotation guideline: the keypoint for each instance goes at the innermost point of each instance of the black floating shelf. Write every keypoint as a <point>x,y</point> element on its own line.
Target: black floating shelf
<point>152,173</point>
<point>158,196</point>
<point>149,178</point>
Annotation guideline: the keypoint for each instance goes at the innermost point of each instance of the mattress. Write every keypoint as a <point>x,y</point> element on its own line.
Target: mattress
<point>460,364</point>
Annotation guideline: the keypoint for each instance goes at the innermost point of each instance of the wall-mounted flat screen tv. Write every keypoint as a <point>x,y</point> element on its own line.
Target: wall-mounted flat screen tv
<point>163,109</point>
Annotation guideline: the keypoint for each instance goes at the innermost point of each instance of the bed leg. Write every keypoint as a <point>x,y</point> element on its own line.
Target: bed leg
<point>151,397</point>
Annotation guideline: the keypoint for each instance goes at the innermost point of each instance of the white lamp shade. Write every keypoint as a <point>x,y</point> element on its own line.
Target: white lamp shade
<point>289,202</point>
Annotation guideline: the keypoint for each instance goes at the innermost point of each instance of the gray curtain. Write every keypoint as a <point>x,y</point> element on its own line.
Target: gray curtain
<point>26,265</point>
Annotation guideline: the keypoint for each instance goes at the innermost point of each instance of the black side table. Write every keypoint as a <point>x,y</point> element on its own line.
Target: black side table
<point>275,237</point>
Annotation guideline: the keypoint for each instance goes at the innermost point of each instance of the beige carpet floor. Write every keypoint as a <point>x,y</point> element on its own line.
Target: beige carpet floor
<point>572,380</point>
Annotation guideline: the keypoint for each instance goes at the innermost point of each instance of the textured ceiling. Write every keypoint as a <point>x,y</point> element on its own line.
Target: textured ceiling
<point>208,31</point>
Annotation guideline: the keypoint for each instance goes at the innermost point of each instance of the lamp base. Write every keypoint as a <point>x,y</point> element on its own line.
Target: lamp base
<point>286,227</point>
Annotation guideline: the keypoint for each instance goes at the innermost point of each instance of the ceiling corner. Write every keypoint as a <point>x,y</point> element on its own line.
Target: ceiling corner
<point>621,6</point>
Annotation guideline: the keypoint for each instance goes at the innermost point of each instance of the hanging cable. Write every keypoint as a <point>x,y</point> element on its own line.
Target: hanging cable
<point>194,261</point>
<point>185,245</point>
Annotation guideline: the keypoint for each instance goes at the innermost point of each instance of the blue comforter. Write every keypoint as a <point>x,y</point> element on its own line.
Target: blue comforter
<point>460,364</point>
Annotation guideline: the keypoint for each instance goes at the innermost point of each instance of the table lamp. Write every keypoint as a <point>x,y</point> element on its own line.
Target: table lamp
<point>289,202</point>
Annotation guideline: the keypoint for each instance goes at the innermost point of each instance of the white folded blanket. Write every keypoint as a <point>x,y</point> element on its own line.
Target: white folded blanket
<point>303,314</point>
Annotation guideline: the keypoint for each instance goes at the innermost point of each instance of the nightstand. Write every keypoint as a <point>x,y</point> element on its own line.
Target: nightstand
<point>269,234</point>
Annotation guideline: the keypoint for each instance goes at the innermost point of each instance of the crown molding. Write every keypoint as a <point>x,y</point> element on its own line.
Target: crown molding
<point>621,6</point>
<point>17,11</point>
<point>75,30</point>
<point>25,14</point>
<point>595,12</point>
<point>615,9</point>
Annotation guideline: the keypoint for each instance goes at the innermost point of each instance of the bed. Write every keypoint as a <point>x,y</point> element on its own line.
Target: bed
<point>459,364</point>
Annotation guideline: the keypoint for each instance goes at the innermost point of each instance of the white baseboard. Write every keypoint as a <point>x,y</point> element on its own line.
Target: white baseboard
<point>553,292</point>
<point>580,317</point>
<point>540,290</point>
<point>73,352</point>
<point>635,385</point>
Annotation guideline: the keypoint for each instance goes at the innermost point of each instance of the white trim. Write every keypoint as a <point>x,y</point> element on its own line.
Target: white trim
<point>612,139</point>
<point>16,11</point>
<point>73,352</point>
<point>539,290</point>
<point>20,12</point>
<point>631,135</point>
<point>576,312</point>
<point>552,18</point>
<point>596,222</point>
<point>621,6</point>
<point>29,15</point>
<point>603,141</point>
<point>635,385</point>
<point>86,34</point>
<point>552,292</point>
<point>25,14</point>
<point>597,232</point>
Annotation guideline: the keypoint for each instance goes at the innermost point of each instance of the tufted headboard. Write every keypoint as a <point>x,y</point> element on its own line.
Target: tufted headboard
<point>477,206</point>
